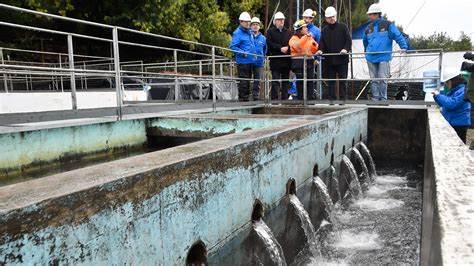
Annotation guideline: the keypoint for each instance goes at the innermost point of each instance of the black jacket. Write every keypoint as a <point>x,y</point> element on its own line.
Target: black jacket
<point>334,38</point>
<point>277,39</point>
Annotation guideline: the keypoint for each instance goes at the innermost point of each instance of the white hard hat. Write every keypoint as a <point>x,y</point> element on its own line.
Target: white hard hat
<point>279,15</point>
<point>308,13</point>
<point>244,16</point>
<point>449,73</point>
<point>330,12</point>
<point>374,8</point>
<point>255,20</point>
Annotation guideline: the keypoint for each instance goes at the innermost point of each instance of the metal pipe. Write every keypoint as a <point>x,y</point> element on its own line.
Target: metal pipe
<point>70,50</point>
<point>50,53</point>
<point>2,23</point>
<point>10,76</point>
<point>440,68</point>
<point>214,97</point>
<point>305,88</point>
<point>61,77</point>
<point>200,83</point>
<point>118,79</point>
<point>176,85</point>
<point>5,83</point>
<point>85,77</point>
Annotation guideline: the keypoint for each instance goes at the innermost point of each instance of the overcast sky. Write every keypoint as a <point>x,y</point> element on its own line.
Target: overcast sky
<point>450,16</point>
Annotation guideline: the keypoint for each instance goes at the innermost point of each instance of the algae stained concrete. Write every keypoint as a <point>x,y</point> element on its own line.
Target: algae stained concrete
<point>151,208</point>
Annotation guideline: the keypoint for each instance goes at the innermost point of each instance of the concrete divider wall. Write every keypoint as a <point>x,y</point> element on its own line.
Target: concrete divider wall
<point>150,209</point>
<point>397,135</point>
<point>41,145</point>
<point>448,197</point>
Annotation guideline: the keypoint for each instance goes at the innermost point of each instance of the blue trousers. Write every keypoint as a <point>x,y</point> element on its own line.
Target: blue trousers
<point>379,87</point>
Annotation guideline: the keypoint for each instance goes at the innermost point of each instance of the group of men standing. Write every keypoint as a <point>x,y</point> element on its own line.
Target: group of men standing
<point>307,46</point>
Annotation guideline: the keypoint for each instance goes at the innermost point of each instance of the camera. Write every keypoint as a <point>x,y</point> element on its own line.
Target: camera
<point>468,66</point>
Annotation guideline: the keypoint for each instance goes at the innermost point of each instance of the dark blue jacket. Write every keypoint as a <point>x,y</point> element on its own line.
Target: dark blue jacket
<point>260,48</point>
<point>243,41</point>
<point>315,32</point>
<point>456,109</point>
<point>379,36</point>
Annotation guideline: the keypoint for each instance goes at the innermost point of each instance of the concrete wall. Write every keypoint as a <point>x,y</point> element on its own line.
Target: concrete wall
<point>20,150</point>
<point>397,135</point>
<point>448,198</point>
<point>150,209</point>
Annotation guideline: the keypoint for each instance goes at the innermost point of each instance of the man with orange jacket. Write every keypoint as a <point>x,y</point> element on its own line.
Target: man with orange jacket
<point>302,45</point>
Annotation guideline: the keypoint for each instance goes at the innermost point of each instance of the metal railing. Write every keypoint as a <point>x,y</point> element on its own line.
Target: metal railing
<point>206,69</point>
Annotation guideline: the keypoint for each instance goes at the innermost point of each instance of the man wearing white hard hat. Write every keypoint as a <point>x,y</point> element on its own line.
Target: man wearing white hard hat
<point>261,50</point>
<point>455,106</point>
<point>308,17</point>
<point>335,39</point>
<point>243,46</point>
<point>378,38</point>
<point>278,37</point>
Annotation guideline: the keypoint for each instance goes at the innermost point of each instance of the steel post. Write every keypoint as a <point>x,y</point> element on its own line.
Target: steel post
<point>214,96</point>
<point>176,84</point>
<point>305,88</point>
<point>70,51</point>
<point>118,78</point>
<point>5,83</point>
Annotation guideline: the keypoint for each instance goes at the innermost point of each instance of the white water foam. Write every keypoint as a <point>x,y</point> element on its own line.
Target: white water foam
<point>376,191</point>
<point>378,204</point>
<point>323,262</point>
<point>358,241</point>
<point>390,180</point>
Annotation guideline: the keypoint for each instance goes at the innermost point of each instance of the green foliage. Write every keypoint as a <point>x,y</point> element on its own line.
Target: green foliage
<point>442,40</point>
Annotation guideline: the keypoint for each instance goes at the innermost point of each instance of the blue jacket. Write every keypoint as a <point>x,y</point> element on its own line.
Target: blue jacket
<point>243,41</point>
<point>260,48</point>
<point>379,36</point>
<point>315,32</point>
<point>455,108</point>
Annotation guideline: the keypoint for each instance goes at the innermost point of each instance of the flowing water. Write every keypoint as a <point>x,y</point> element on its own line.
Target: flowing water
<point>383,227</point>
<point>312,246</point>
<point>361,167</point>
<point>349,175</point>
<point>334,185</point>
<point>273,251</point>
<point>325,199</point>
<point>364,151</point>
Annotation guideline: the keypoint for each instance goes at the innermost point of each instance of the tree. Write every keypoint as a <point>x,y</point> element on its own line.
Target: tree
<point>443,41</point>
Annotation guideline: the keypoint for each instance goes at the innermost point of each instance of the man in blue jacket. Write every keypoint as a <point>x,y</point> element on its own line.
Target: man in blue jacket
<point>379,36</point>
<point>243,46</point>
<point>455,106</point>
<point>261,50</point>
<point>308,17</point>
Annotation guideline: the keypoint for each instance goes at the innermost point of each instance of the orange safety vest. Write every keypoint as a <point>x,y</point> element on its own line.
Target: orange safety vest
<point>305,45</point>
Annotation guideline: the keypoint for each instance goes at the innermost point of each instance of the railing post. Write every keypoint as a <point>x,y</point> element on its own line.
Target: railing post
<point>266,82</point>
<point>214,96</point>
<point>118,78</point>
<point>176,85</point>
<point>5,83</point>
<point>200,80</point>
<point>61,66</point>
<point>70,51</point>
<point>440,68</point>
<point>10,76</point>
<point>85,76</point>
<point>320,76</point>
<point>305,88</point>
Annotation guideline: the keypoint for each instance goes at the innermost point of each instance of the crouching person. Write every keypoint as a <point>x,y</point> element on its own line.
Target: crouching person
<point>455,106</point>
